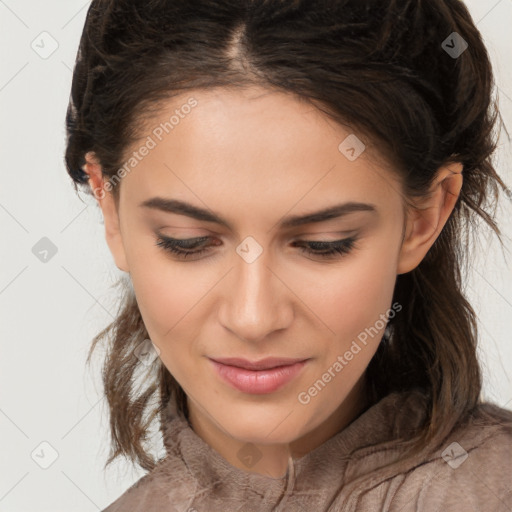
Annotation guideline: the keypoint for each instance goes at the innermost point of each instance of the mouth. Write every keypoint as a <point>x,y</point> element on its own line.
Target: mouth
<point>258,377</point>
<point>263,364</point>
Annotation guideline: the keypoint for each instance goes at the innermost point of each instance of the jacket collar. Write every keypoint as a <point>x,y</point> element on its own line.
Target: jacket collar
<point>323,470</point>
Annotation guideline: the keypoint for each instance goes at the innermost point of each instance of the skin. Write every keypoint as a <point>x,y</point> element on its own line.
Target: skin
<point>253,156</point>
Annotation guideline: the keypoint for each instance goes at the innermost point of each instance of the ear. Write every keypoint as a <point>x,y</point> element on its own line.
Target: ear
<point>108,206</point>
<point>426,219</point>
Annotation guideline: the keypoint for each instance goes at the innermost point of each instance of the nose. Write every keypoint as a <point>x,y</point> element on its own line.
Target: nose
<point>255,301</point>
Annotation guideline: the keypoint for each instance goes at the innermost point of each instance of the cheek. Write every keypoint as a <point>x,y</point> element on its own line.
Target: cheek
<point>351,297</point>
<point>168,298</point>
<point>166,290</point>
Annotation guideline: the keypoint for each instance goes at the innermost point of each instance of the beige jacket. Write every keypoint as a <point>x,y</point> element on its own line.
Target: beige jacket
<point>342,474</point>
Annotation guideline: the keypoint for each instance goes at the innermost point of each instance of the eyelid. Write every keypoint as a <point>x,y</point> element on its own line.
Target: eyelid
<point>337,234</point>
<point>321,250</point>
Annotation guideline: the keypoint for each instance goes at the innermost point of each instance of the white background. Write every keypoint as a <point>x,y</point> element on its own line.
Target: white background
<point>51,311</point>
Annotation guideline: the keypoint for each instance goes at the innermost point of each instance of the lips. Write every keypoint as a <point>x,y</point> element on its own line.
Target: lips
<point>262,364</point>
<point>270,375</point>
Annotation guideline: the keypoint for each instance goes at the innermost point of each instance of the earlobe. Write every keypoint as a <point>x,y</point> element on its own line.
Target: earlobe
<point>109,209</point>
<point>428,216</point>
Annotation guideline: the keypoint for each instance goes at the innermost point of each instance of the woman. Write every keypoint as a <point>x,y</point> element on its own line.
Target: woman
<point>287,186</point>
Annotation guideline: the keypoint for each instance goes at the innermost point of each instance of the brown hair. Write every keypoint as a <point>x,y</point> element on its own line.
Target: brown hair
<point>378,67</point>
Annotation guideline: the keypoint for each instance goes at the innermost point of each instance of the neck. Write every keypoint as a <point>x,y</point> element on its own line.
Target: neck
<point>273,458</point>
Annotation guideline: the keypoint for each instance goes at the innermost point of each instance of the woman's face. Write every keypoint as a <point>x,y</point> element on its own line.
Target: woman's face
<point>251,168</point>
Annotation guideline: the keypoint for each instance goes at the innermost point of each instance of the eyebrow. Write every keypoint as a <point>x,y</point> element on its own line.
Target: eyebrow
<point>183,208</point>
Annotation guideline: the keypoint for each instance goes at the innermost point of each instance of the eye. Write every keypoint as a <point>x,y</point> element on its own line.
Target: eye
<point>182,248</point>
<point>328,249</point>
<point>195,246</point>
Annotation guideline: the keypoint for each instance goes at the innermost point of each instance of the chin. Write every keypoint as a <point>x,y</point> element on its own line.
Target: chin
<point>276,427</point>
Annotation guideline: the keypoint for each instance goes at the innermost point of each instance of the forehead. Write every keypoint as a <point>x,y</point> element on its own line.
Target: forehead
<point>248,146</point>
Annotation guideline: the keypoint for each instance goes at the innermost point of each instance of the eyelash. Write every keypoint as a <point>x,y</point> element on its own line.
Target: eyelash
<point>335,249</point>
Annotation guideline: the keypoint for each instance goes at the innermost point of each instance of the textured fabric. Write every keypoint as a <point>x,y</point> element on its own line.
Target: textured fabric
<point>346,473</point>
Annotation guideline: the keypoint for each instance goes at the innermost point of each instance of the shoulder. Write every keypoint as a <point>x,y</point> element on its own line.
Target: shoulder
<point>157,490</point>
<point>138,495</point>
<point>471,471</point>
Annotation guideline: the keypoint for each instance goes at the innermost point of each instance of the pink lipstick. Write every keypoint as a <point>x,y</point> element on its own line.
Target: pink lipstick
<point>259,377</point>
